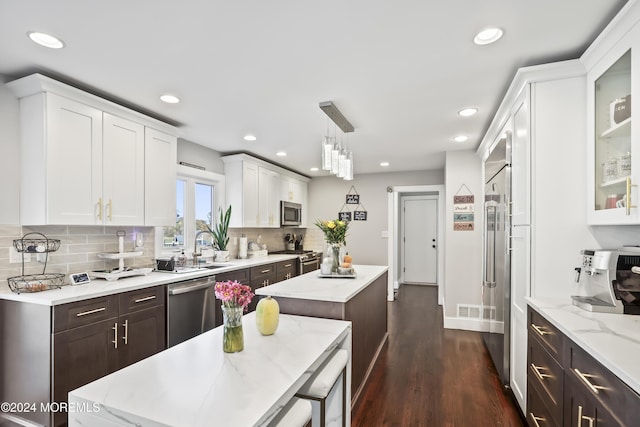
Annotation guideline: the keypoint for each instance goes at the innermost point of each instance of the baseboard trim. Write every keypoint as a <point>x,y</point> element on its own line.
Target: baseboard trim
<point>478,325</point>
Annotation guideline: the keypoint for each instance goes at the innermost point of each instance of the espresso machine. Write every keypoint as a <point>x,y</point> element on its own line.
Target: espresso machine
<point>608,281</point>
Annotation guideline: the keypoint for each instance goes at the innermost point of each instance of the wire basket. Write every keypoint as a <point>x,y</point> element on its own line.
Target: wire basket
<point>36,282</point>
<point>36,245</point>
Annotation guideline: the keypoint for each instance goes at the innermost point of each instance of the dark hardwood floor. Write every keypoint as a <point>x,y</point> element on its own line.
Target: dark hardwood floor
<point>430,376</point>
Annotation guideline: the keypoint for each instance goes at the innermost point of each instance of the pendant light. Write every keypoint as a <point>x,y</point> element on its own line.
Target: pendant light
<point>336,156</point>
<point>327,146</point>
<point>335,153</point>
<point>348,168</point>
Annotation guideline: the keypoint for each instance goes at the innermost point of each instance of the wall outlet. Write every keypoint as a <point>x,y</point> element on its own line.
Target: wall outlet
<point>15,257</point>
<point>384,234</point>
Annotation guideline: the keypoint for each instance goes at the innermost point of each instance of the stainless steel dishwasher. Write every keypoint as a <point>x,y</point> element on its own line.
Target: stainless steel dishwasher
<point>191,306</point>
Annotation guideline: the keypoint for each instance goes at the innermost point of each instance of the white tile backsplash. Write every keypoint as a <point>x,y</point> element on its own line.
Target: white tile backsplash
<point>79,248</point>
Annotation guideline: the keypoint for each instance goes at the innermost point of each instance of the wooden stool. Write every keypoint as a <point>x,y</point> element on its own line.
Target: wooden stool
<point>322,384</point>
<point>296,413</point>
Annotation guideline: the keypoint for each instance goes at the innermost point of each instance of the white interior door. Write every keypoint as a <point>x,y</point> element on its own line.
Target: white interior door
<point>419,237</point>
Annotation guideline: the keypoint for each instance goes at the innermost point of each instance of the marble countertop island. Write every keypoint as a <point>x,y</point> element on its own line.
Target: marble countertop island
<point>611,339</point>
<point>311,286</point>
<point>196,384</point>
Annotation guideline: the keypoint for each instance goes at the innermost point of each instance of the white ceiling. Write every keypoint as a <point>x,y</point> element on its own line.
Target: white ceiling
<point>398,70</point>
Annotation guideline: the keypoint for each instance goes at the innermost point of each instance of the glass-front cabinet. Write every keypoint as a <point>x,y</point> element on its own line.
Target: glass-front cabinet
<point>613,150</point>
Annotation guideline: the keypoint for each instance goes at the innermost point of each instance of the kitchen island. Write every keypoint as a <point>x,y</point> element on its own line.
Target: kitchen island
<point>361,300</point>
<point>196,384</point>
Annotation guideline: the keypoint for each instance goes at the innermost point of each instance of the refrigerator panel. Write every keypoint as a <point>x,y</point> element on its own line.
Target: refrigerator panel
<point>496,283</point>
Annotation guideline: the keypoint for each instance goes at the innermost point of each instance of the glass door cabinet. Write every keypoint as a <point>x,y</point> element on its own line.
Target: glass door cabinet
<point>611,128</point>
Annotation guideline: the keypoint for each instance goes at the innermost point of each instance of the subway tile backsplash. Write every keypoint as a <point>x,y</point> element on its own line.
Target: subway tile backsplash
<point>79,249</point>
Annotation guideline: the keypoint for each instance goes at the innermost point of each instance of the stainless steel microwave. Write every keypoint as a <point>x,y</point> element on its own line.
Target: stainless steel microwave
<point>290,214</point>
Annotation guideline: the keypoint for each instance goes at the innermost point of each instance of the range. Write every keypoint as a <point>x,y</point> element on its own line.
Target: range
<point>308,260</point>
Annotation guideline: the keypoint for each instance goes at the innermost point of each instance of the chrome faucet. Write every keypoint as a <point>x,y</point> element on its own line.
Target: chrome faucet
<point>195,246</point>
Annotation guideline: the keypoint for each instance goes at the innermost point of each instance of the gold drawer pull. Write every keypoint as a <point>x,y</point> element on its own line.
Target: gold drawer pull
<point>584,417</point>
<point>149,298</point>
<point>536,419</point>
<point>265,271</point>
<point>585,378</point>
<point>539,374</point>
<point>97,310</point>
<point>539,330</point>
<point>287,265</point>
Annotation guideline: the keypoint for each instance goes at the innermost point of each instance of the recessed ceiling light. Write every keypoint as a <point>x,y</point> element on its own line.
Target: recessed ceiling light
<point>314,169</point>
<point>488,36</point>
<point>250,137</point>
<point>169,99</point>
<point>281,153</point>
<point>460,138</point>
<point>384,164</point>
<point>468,112</point>
<point>46,40</point>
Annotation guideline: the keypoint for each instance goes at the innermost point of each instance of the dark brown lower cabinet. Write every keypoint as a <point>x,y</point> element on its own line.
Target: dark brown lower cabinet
<point>70,345</point>
<point>583,410</point>
<point>568,387</point>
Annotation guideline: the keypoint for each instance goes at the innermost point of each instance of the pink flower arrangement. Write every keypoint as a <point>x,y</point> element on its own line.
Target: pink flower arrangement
<point>233,294</point>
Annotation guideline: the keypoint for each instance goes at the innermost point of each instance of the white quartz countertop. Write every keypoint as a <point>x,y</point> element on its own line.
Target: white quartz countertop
<point>612,339</point>
<point>196,384</point>
<point>311,286</point>
<point>101,287</point>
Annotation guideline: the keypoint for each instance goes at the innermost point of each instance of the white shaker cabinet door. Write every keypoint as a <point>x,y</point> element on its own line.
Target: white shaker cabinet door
<point>250,190</point>
<point>123,171</point>
<point>268,197</point>
<point>160,157</point>
<point>520,162</point>
<point>71,165</point>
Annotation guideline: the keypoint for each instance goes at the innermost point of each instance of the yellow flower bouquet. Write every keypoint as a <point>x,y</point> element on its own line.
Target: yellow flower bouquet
<point>335,231</point>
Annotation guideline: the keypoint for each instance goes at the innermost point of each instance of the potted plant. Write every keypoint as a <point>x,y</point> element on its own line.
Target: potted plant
<point>220,237</point>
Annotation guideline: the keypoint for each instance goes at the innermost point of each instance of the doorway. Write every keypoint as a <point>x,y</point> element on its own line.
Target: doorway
<point>394,234</point>
<point>419,231</point>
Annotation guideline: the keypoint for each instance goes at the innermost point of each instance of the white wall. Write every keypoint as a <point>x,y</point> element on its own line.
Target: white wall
<point>364,241</point>
<point>10,158</point>
<point>199,155</point>
<point>463,249</point>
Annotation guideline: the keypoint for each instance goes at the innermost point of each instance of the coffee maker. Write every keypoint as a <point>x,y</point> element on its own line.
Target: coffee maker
<point>609,281</point>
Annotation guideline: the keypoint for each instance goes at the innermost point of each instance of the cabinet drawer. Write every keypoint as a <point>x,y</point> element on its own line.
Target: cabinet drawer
<point>546,375</point>
<point>141,299</point>
<point>241,276</point>
<point>261,271</point>
<point>286,266</point>
<point>598,382</point>
<point>72,315</point>
<point>548,334</point>
<point>538,415</point>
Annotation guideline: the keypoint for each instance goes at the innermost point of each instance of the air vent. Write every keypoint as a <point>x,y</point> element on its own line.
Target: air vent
<point>470,311</point>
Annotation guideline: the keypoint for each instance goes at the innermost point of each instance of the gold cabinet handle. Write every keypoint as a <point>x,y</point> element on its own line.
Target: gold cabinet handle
<point>125,337</point>
<point>287,265</point>
<point>110,210</point>
<point>536,419</point>
<point>628,194</point>
<point>584,417</point>
<point>97,310</point>
<point>585,378</point>
<point>539,374</point>
<point>115,335</point>
<point>539,330</point>
<point>265,271</point>
<point>149,298</point>
<point>100,208</point>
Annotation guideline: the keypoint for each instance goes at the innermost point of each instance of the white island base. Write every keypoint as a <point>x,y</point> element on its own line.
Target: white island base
<point>196,384</point>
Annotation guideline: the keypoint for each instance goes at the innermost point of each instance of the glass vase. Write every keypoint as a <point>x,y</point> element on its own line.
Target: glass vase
<point>337,251</point>
<point>232,336</point>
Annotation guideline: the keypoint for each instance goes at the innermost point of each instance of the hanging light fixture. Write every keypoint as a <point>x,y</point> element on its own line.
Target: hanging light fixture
<point>336,157</point>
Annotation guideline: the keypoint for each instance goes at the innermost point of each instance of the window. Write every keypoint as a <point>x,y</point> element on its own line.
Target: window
<point>199,194</point>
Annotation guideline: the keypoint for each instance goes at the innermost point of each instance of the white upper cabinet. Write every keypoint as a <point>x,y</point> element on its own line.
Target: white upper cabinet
<point>520,162</point>
<point>122,171</point>
<point>160,164</point>
<point>268,198</point>
<point>254,189</point>
<point>614,148</point>
<point>83,159</point>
